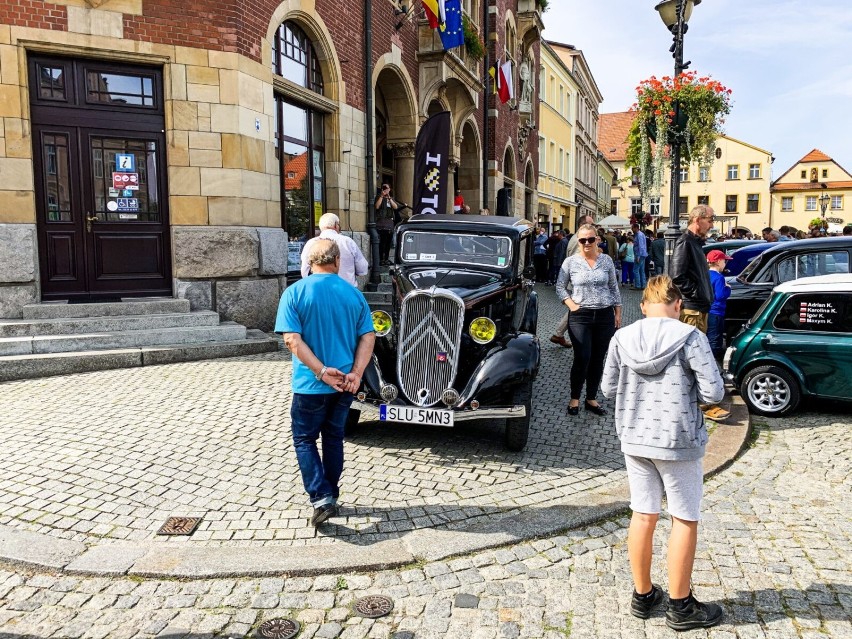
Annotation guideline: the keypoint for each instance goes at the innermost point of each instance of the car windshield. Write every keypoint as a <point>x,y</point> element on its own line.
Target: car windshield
<point>759,311</point>
<point>482,250</point>
<point>751,269</point>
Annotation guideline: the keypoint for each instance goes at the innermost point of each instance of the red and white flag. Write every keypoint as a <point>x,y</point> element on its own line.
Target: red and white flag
<point>505,88</point>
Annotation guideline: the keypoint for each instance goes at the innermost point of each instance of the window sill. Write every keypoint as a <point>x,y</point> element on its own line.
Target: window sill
<point>757,178</point>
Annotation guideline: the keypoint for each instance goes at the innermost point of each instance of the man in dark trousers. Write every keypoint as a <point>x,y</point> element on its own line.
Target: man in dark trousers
<point>689,273</point>
<point>658,253</point>
<point>327,325</point>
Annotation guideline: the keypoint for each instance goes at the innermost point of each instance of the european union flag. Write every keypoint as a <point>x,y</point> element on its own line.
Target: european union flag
<point>451,31</point>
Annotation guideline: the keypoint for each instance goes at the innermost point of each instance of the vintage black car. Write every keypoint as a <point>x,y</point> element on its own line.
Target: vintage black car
<point>460,340</point>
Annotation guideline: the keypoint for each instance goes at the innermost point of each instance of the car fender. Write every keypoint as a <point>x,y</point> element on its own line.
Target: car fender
<point>514,360</point>
<point>772,359</point>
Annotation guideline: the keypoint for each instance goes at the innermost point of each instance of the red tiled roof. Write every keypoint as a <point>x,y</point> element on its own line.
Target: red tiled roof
<point>812,186</point>
<point>815,156</point>
<point>298,166</point>
<point>613,129</point>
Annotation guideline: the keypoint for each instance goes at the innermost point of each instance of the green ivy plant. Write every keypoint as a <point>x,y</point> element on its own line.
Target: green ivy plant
<point>473,43</point>
<point>703,104</point>
<point>543,5</point>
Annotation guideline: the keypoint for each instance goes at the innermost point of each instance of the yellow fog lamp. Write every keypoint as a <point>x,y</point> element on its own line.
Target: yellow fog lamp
<point>482,330</point>
<point>382,323</point>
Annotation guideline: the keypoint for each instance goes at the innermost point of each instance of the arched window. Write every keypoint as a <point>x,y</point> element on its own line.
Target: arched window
<point>299,139</point>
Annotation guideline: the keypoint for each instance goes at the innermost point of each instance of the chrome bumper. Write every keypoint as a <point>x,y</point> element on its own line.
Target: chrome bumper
<point>370,412</point>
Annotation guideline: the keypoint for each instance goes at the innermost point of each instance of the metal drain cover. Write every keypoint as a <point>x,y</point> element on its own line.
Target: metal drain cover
<point>179,526</point>
<point>278,629</point>
<point>374,606</point>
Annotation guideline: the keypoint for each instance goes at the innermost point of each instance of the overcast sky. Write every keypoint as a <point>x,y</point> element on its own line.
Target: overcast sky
<point>788,62</point>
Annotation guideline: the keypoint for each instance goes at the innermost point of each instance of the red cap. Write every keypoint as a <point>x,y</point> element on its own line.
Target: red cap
<point>715,255</point>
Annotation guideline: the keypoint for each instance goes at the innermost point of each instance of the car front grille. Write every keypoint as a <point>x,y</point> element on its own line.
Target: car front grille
<point>429,337</point>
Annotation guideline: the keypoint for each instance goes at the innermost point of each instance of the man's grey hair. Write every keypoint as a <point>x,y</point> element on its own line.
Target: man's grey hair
<point>323,251</point>
<point>774,235</point>
<point>328,221</point>
<point>702,210</point>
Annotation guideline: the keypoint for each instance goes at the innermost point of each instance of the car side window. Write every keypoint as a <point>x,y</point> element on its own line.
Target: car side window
<point>813,264</point>
<point>522,256</point>
<point>821,312</point>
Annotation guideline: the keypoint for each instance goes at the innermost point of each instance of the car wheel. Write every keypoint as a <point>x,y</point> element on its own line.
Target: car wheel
<point>771,391</point>
<point>518,428</point>
<point>351,426</point>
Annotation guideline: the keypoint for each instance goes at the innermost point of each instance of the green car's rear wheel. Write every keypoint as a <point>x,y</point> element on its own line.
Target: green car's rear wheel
<point>771,391</point>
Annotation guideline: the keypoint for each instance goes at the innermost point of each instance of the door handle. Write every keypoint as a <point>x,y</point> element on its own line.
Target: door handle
<point>89,220</point>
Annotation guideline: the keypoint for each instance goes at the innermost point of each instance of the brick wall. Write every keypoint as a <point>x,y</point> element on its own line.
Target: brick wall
<point>34,14</point>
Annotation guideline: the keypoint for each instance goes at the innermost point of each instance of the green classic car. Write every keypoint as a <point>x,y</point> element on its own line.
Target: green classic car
<point>797,344</point>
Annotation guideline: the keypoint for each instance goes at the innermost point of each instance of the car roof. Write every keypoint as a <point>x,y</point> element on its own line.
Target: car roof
<point>837,283</point>
<point>758,247</point>
<point>809,244</point>
<point>456,222</point>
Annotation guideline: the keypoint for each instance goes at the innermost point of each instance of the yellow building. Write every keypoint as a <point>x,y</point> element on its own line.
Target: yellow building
<point>736,185</point>
<point>799,195</point>
<point>556,202</point>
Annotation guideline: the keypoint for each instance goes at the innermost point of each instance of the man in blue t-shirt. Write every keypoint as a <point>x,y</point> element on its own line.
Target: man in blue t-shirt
<point>327,325</point>
<point>640,254</point>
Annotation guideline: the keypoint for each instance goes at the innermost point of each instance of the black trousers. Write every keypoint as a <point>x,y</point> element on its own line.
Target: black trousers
<point>385,237</point>
<point>540,263</point>
<point>590,330</point>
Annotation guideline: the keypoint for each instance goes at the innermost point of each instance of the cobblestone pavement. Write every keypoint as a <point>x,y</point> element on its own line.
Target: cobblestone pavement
<point>108,456</point>
<point>775,551</point>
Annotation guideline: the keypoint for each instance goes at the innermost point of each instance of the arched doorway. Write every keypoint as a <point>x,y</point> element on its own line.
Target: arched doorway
<point>396,132</point>
<point>505,193</point>
<point>470,167</point>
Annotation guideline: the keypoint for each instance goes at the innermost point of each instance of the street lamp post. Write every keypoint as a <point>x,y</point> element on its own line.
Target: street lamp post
<point>823,203</point>
<point>675,14</point>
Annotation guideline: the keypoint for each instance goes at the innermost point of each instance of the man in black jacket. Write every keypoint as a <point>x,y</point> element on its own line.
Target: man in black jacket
<point>689,268</point>
<point>692,276</point>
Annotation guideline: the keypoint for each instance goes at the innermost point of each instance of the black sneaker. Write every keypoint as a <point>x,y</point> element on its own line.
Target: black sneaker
<point>323,513</point>
<point>693,614</point>
<point>642,605</point>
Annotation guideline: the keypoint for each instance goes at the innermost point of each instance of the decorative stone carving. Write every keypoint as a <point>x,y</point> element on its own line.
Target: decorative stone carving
<point>252,303</point>
<point>17,253</point>
<point>210,251</point>
<point>402,149</point>
<point>525,102</point>
<point>524,131</point>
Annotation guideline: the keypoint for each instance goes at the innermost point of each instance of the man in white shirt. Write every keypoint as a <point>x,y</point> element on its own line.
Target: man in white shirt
<point>352,261</point>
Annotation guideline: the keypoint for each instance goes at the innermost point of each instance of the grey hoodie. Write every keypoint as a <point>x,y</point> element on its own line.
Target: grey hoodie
<point>658,370</point>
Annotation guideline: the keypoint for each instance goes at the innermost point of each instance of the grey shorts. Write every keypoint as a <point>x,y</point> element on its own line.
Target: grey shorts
<point>682,481</point>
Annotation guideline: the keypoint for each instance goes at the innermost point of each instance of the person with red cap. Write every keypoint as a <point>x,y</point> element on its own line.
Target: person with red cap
<point>721,292</point>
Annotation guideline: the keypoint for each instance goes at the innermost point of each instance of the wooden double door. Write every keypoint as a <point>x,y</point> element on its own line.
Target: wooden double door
<point>100,173</point>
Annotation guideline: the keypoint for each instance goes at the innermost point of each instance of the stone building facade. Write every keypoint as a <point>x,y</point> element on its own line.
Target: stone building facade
<point>153,148</point>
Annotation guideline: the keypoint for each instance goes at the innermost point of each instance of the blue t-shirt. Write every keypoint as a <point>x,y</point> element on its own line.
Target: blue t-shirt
<point>330,314</point>
<point>720,293</point>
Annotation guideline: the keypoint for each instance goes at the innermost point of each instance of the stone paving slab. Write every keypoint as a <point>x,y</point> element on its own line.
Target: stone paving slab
<point>775,550</point>
<point>102,459</point>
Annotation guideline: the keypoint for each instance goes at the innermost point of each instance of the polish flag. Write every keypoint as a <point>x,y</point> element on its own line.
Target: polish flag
<point>505,89</point>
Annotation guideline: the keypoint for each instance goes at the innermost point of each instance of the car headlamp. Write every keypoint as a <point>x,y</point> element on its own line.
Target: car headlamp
<point>482,330</point>
<point>382,323</point>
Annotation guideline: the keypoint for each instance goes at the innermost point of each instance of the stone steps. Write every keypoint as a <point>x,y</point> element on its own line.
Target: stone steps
<point>130,306</point>
<point>42,344</point>
<point>106,324</point>
<point>36,366</point>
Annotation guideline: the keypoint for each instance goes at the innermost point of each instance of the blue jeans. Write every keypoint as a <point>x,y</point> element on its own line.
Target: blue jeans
<point>715,334</point>
<point>639,276</point>
<point>312,416</point>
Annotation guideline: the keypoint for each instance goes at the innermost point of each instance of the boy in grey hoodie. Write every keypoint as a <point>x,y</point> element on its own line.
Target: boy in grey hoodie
<point>659,370</point>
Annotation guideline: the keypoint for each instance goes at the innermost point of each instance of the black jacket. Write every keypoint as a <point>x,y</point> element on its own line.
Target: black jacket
<point>690,272</point>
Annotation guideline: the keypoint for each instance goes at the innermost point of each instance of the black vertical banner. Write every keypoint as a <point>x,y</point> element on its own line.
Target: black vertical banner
<point>431,163</point>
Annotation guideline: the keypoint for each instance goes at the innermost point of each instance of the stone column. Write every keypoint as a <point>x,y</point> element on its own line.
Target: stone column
<point>404,187</point>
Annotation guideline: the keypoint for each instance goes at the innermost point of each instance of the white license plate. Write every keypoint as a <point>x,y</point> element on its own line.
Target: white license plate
<point>413,415</point>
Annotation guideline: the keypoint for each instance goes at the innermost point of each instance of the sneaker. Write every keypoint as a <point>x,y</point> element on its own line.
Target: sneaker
<point>693,614</point>
<point>322,513</point>
<point>642,605</point>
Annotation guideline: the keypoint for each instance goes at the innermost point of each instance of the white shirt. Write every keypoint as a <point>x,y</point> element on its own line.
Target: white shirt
<point>352,261</point>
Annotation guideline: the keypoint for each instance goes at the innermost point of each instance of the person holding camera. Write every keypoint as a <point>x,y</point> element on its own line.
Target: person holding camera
<point>386,218</point>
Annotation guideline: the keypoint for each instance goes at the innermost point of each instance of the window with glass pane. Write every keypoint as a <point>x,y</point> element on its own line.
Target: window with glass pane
<point>684,174</point>
<point>140,204</point>
<point>57,182</point>
<point>682,205</point>
<point>823,312</point>
<point>51,83</point>
<point>295,59</point>
<point>636,206</point>
<point>733,172</point>
<point>754,171</point>
<point>752,203</point>
<point>120,89</point>
<point>836,202</point>
<point>542,156</point>
<point>704,199</point>
<point>635,177</point>
<point>613,207</point>
<point>704,174</point>
<point>811,203</point>
<point>730,203</point>
<point>655,206</point>
<point>825,173</point>
<point>786,203</point>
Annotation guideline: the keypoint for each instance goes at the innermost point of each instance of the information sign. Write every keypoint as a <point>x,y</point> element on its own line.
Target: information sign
<point>125,162</point>
<point>125,181</point>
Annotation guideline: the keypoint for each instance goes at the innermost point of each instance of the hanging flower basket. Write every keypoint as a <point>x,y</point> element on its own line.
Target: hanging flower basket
<point>473,43</point>
<point>700,105</point>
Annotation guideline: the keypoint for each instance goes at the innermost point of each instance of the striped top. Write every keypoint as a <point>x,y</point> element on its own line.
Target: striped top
<point>589,287</point>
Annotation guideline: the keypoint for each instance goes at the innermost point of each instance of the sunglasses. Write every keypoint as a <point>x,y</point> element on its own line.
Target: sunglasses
<point>587,240</point>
